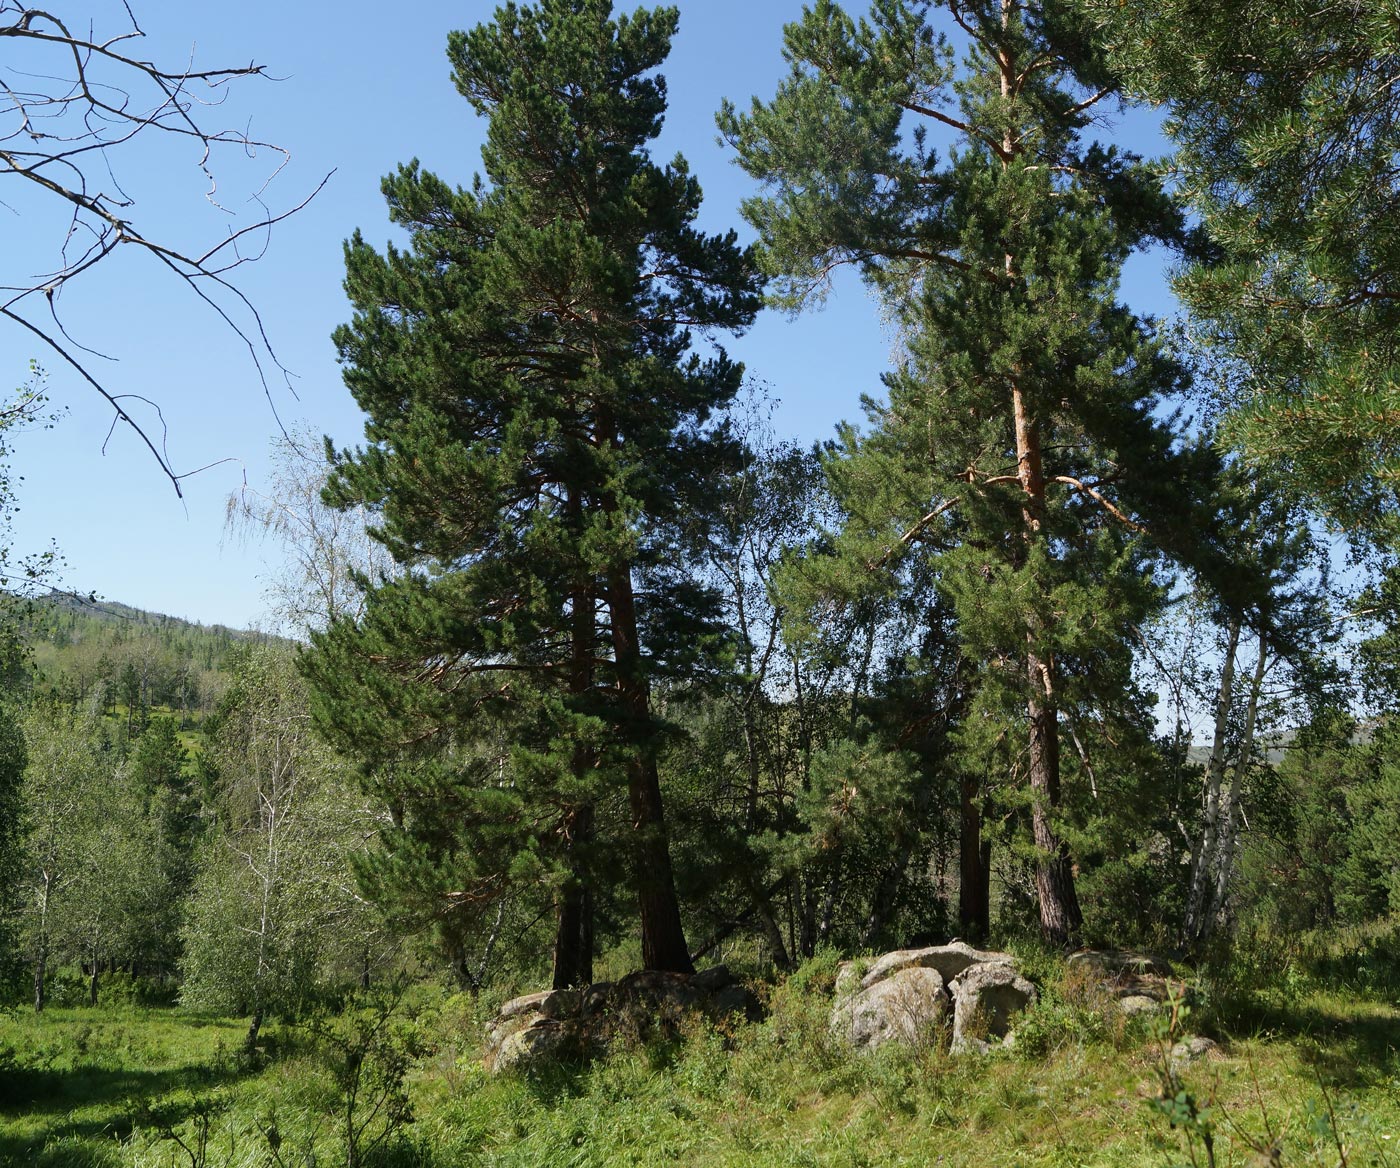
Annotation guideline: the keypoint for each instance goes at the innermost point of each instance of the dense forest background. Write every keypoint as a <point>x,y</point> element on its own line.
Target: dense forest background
<point>1064,640</point>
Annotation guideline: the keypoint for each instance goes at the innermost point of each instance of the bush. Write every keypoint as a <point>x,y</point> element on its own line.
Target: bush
<point>133,990</point>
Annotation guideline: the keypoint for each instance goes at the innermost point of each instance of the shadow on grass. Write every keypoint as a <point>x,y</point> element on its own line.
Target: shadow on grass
<point>1348,1047</point>
<point>67,1154</point>
<point>88,1106</point>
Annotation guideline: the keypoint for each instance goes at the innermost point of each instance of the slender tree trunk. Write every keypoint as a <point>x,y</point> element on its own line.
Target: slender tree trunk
<point>1203,854</point>
<point>1060,918</point>
<point>489,949</point>
<point>1231,812</point>
<point>40,971</point>
<point>804,939</point>
<point>663,937</point>
<point>41,948</point>
<point>806,915</point>
<point>974,908</point>
<point>833,890</point>
<point>573,944</point>
<point>763,905</point>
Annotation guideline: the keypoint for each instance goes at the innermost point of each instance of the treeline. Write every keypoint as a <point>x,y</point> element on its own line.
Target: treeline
<point>137,662</point>
<point>222,870</point>
<point>639,683</point>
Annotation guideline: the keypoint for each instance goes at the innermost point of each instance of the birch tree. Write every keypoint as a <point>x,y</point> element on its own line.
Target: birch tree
<point>273,895</point>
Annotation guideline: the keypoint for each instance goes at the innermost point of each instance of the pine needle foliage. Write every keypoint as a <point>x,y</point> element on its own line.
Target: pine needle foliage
<point>542,446</point>
<point>1026,450</point>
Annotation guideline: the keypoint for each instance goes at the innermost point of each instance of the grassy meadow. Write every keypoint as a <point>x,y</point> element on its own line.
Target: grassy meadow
<point>1304,1073</point>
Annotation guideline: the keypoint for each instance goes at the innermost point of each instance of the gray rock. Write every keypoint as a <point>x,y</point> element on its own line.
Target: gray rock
<point>1135,1004</point>
<point>985,1000</point>
<point>848,975</point>
<point>536,1028</point>
<point>595,998</point>
<point>908,1006</point>
<point>546,1003</point>
<point>949,960</point>
<point>1188,1050</point>
<point>733,999</point>
<point>525,1049</point>
<point>1128,977</point>
<point>717,977</point>
<point>1108,962</point>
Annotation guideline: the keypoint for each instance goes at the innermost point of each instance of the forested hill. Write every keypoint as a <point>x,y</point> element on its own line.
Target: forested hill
<point>142,662</point>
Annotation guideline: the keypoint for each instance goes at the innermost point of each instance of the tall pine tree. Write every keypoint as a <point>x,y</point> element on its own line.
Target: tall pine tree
<point>540,438</point>
<point>1020,443</point>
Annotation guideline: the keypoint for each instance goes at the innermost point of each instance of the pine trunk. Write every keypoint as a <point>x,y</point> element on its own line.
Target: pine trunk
<point>1060,918</point>
<point>974,885</point>
<point>663,937</point>
<point>573,942</point>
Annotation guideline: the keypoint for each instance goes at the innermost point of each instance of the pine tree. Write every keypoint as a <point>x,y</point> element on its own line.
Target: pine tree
<point>539,439</point>
<point>1019,444</point>
<point>1286,119</point>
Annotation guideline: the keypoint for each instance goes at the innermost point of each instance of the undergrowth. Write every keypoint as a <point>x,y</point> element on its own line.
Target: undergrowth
<point>1307,1079</point>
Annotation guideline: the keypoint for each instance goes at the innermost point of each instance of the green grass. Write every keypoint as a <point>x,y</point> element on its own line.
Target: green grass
<point>70,1079</point>
<point>1296,1065</point>
<point>780,1094</point>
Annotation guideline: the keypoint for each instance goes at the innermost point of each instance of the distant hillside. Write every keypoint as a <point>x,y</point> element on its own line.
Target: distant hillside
<point>140,662</point>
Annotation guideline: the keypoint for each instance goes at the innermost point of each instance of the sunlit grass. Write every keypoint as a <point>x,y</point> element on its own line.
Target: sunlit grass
<point>1300,1068</point>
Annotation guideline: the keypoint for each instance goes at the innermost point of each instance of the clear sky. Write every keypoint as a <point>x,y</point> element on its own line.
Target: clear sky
<point>362,88</point>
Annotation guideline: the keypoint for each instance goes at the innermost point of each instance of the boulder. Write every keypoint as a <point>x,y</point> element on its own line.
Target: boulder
<point>949,960</point>
<point>734,999</point>
<point>1134,1004</point>
<point>910,1006</point>
<point>985,999</point>
<point>544,1041</point>
<point>554,1024</point>
<point>526,1011</point>
<point>1188,1050</point>
<point>848,977</point>
<point>595,998</point>
<point>1129,977</point>
<point>717,977</point>
<point>1114,962</point>
<point>546,1003</point>
<point>904,996</point>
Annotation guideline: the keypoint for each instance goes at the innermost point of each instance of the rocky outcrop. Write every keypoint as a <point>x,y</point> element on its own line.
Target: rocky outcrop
<point>1139,983</point>
<point>915,995</point>
<point>910,1006</point>
<point>986,998</point>
<point>579,1024</point>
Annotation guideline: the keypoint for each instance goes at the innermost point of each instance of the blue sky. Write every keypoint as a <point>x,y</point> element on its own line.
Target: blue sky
<point>362,87</point>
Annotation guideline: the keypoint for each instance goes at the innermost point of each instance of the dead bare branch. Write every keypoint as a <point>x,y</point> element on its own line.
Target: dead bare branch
<point>71,102</point>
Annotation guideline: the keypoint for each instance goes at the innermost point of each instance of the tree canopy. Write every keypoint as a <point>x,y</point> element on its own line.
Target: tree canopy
<point>542,440</point>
